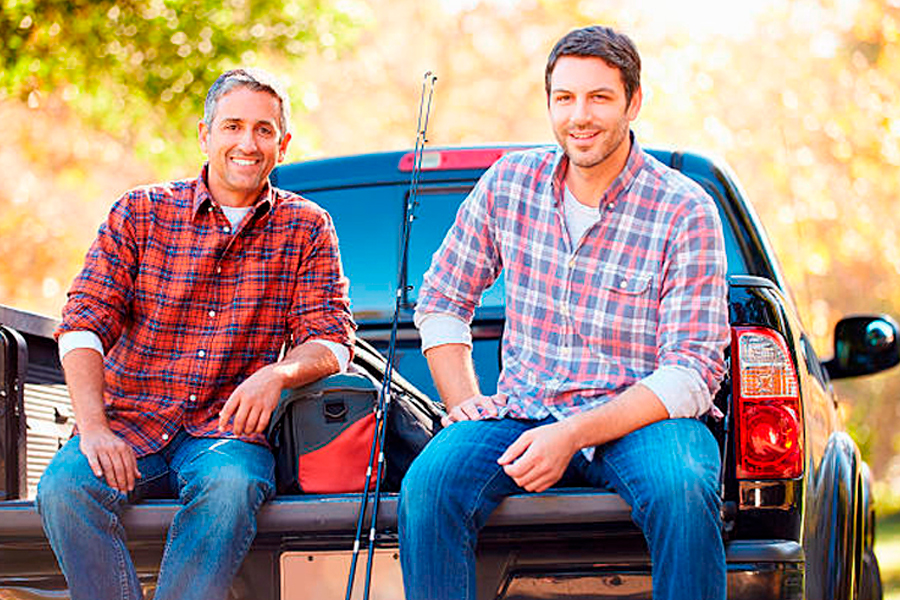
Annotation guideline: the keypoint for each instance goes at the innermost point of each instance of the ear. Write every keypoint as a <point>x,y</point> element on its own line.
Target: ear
<point>634,107</point>
<point>282,147</point>
<point>203,136</point>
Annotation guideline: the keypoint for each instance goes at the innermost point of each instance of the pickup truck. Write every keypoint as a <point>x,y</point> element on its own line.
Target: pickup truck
<point>798,512</point>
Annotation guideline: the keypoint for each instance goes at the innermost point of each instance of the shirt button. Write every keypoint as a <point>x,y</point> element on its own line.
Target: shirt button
<point>201,353</point>
<point>226,229</point>
<point>623,283</point>
<point>571,262</point>
<point>193,397</point>
<point>565,311</point>
<point>165,436</point>
<point>612,205</point>
<point>212,313</point>
<point>218,269</point>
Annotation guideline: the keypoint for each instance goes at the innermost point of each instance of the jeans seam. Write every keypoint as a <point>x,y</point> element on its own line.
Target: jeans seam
<point>248,539</point>
<point>474,509</point>
<point>638,509</point>
<point>119,550</point>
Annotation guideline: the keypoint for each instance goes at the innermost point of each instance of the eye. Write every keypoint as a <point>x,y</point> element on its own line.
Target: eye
<point>230,126</point>
<point>266,131</point>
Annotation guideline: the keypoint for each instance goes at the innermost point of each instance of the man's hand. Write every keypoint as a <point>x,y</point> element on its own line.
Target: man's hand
<point>110,456</point>
<point>475,408</point>
<point>252,402</point>
<point>539,457</point>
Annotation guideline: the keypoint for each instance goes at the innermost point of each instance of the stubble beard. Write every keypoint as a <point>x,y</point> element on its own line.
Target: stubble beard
<point>608,147</point>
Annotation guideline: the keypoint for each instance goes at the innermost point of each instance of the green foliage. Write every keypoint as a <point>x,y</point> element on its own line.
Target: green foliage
<point>131,66</point>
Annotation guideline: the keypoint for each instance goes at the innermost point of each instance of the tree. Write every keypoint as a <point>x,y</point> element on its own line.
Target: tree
<point>139,68</point>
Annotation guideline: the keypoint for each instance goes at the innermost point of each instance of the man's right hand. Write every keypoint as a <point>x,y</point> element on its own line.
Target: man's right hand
<point>475,408</point>
<point>111,457</point>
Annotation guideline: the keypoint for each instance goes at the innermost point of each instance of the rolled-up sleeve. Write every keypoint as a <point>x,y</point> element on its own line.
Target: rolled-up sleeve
<point>101,294</point>
<point>693,329</point>
<point>320,307</point>
<point>468,260</point>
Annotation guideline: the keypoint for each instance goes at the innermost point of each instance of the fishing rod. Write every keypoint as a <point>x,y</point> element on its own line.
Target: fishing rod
<point>384,394</point>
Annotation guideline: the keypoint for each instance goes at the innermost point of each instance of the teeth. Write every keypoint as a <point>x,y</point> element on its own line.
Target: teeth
<point>244,161</point>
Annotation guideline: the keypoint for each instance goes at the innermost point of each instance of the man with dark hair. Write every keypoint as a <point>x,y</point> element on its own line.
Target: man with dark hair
<point>171,342</point>
<point>616,322</point>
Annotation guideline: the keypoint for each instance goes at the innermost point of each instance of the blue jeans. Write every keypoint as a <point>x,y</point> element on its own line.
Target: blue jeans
<point>667,472</point>
<point>221,483</point>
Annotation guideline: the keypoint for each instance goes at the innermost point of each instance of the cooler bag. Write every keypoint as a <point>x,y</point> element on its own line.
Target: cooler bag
<point>322,433</point>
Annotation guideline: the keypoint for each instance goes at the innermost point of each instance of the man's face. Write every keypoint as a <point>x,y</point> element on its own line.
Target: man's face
<point>244,144</point>
<point>588,109</point>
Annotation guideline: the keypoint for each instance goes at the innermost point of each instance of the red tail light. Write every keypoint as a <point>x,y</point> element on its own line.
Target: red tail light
<point>463,158</point>
<point>769,422</point>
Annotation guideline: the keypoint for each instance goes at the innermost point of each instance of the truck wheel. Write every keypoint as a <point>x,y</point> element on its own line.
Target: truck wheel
<point>870,578</point>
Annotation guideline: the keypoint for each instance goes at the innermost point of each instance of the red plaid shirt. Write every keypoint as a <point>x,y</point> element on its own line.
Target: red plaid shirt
<point>187,309</point>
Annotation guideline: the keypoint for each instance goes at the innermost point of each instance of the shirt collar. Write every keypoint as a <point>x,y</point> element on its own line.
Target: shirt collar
<point>622,182</point>
<point>203,200</point>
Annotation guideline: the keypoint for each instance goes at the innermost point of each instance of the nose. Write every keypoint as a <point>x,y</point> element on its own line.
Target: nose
<point>247,140</point>
<point>580,114</point>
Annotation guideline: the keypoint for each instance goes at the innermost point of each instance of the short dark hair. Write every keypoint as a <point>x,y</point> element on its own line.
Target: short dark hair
<point>616,49</point>
<point>256,80</point>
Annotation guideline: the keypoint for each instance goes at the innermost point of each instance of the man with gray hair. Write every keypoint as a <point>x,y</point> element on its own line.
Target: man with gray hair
<point>170,341</point>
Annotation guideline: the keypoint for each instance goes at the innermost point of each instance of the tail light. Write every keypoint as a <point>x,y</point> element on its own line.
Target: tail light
<point>769,423</point>
<point>460,158</point>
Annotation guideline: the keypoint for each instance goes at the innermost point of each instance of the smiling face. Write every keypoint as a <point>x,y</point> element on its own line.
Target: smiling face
<point>243,144</point>
<point>589,112</point>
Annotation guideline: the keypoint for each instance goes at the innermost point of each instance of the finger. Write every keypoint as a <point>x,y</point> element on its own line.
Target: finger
<point>128,467</point>
<point>118,464</point>
<point>471,410</point>
<point>252,420</point>
<point>263,422</point>
<point>132,463</point>
<point>515,449</point>
<point>457,414</point>
<point>108,471</point>
<point>488,406</point>
<point>446,421</point>
<point>499,399</point>
<point>91,455</point>
<point>240,418</point>
<point>227,411</point>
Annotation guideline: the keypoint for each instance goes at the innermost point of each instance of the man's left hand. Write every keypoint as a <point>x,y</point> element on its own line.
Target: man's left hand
<point>539,457</point>
<point>252,403</point>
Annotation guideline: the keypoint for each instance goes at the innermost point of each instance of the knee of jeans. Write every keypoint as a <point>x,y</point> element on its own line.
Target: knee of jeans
<point>427,487</point>
<point>684,491</point>
<point>230,487</point>
<point>66,483</point>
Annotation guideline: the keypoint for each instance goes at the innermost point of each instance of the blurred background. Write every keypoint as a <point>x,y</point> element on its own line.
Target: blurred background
<point>798,96</point>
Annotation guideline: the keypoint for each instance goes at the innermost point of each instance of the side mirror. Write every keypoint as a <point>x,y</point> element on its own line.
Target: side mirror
<point>864,345</point>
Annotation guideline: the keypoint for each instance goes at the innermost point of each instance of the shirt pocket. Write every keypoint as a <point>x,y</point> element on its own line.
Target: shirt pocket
<point>617,313</point>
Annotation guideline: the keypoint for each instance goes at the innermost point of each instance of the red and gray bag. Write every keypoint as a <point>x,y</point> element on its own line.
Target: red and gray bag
<point>322,433</point>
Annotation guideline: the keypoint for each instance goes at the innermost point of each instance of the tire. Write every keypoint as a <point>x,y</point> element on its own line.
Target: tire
<point>870,578</point>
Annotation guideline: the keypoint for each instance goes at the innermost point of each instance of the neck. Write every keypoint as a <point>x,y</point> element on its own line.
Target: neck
<point>233,199</point>
<point>588,184</point>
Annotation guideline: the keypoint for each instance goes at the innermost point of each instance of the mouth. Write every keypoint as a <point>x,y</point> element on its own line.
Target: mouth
<point>583,135</point>
<point>244,162</point>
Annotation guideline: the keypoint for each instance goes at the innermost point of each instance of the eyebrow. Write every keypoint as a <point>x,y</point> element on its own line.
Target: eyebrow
<point>606,89</point>
<point>240,120</point>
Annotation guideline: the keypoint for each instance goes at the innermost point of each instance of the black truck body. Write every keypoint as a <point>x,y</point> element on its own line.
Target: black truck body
<point>797,505</point>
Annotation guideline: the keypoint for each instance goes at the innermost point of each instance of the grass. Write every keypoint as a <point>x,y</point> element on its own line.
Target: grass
<point>887,548</point>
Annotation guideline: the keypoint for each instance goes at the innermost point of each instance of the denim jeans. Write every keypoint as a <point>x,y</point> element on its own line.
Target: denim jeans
<point>221,484</point>
<point>667,472</point>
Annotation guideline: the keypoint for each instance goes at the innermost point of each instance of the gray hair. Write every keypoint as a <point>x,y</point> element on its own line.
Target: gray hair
<point>256,80</point>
